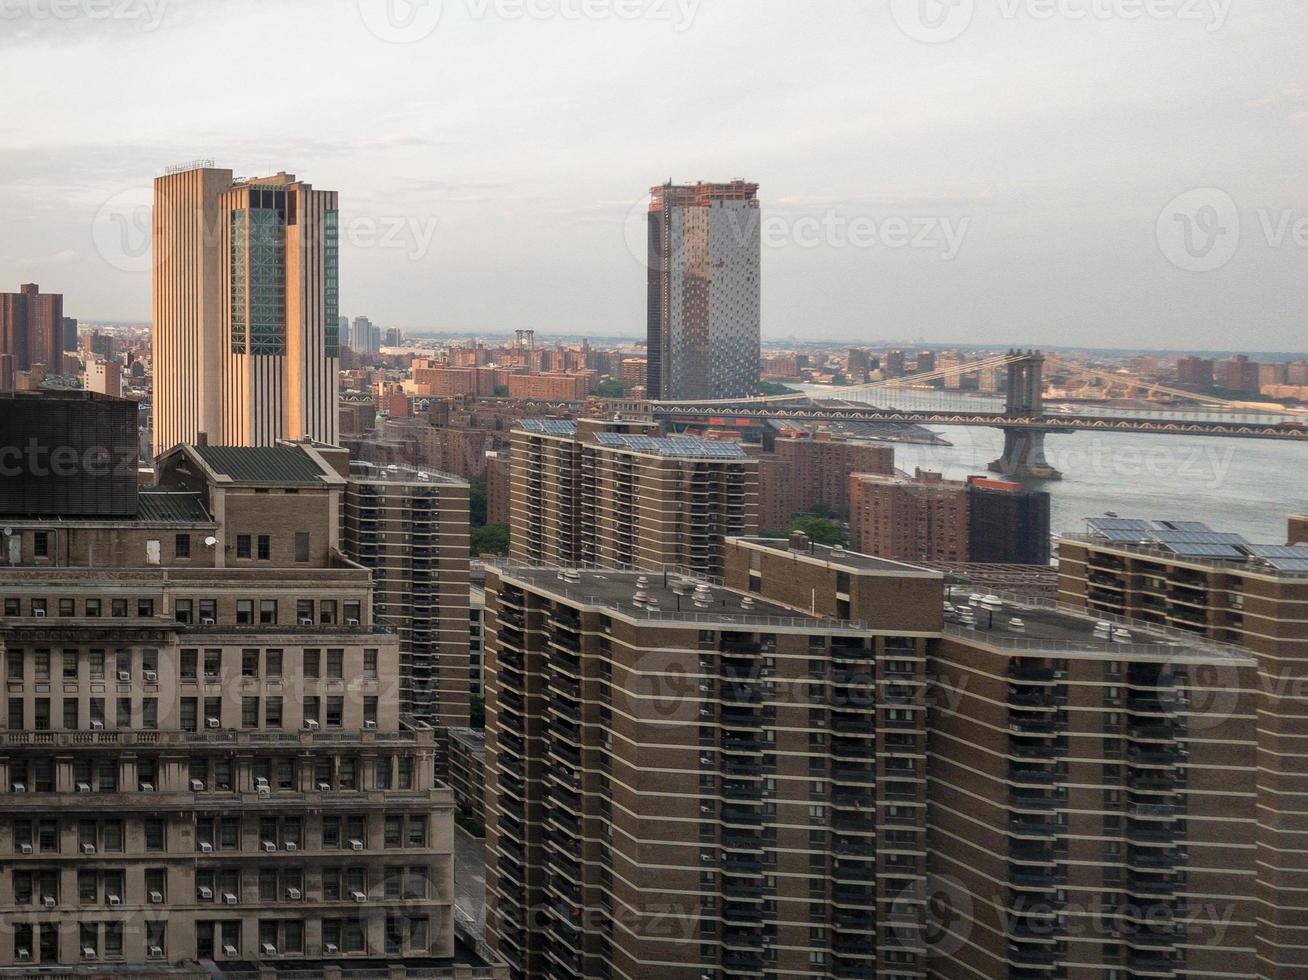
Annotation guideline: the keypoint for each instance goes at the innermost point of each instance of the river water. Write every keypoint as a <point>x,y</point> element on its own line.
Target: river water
<point>1245,485</point>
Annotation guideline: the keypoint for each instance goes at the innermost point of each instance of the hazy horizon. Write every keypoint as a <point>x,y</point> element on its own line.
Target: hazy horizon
<point>1000,174</point>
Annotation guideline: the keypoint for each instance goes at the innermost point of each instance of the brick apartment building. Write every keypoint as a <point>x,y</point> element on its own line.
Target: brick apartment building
<point>800,474</point>
<point>225,774</point>
<point>1221,586</point>
<point>824,767</point>
<point>617,494</point>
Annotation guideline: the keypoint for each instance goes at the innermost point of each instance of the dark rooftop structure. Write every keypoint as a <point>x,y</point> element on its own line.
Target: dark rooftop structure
<point>843,558</point>
<point>262,464</point>
<point>164,507</point>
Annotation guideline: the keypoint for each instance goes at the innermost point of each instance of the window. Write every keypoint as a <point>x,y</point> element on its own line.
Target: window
<point>304,611</point>
<point>144,608</point>
<point>16,715</point>
<point>113,835</point>
<point>417,832</point>
<point>272,713</point>
<point>336,663</point>
<point>272,663</point>
<point>182,546</point>
<point>13,607</point>
<point>268,612</point>
<point>124,713</point>
<point>97,712</point>
<point>190,715</point>
<point>331,832</point>
<point>156,882</point>
<point>150,713</point>
<point>213,664</point>
<point>301,546</point>
<point>14,662</point>
<point>38,607</point>
<point>312,709</point>
<point>370,664</point>
<point>70,714</point>
<point>249,712</point>
<point>265,548</point>
<point>190,664</point>
<point>327,612</point>
<point>182,610</point>
<point>249,663</point>
<point>208,611</point>
<point>244,612</point>
<point>155,834</point>
<point>70,665</point>
<point>97,660</point>
<point>335,711</point>
<point>92,608</point>
<point>118,608</point>
<point>370,710</point>
<point>243,546</point>
<point>41,544</point>
<point>353,613</point>
<point>312,663</point>
<point>67,607</point>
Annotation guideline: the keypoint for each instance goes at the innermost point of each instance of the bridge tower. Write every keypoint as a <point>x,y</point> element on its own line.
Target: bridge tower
<point>1024,448</point>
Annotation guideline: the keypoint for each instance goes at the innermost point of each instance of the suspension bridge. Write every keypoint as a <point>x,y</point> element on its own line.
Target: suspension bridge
<point>1024,416</point>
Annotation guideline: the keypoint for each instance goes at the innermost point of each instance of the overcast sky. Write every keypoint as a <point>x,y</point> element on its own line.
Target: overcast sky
<point>1115,172</point>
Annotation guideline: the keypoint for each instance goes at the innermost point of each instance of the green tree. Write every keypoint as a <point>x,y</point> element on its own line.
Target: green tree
<point>477,503</point>
<point>609,389</point>
<point>501,391</point>
<point>820,530</point>
<point>772,388</point>
<point>493,539</point>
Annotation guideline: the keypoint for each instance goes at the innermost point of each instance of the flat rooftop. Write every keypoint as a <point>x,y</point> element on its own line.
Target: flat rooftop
<point>1036,626</point>
<point>1194,541</point>
<point>666,597</point>
<point>374,473</point>
<point>839,557</point>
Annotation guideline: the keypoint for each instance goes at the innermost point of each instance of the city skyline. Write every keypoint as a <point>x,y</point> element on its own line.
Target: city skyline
<point>1056,222</point>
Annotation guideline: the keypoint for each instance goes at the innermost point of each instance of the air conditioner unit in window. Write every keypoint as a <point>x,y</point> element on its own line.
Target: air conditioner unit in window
<point>24,848</point>
<point>369,725</point>
<point>270,846</point>
<point>24,953</point>
<point>206,620</point>
<point>115,900</point>
<point>206,847</point>
<point>88,848</point>
<point>264,790</point>
<point>260,781</point>
<point>97,726</point>
<point>39,613</point>
<point>48,901</point>
<point>293,894</point>
<point>151,676</point>
<point>206,894</point>
<point>359,897</point>
<point>331,949</point>
<point>197,785</point>
<point>212,722</point>
<point>356,845</point>
<point>269,949</point>
<point>156,952</point>
<point>306,620</point>
<point>292,845</point>
<point>83,787</point>
<point>156,898</point>
<point>147,787</point>
<point>19,787</point>
<point>351,622</point>
<point>230,951</point>
<point>310,724</point>
<point>88,952</point>
<point>124,675</point>
<point>324,787</point>
<point>229,898</point>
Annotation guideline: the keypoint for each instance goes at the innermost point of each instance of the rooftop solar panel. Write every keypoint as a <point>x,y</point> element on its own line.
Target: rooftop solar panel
<point>552,427</point>
<point>1299,552</point>
<point>1204,550</point>
<point>1119,524</point>
<point>1289,564</point>
<point>1198,537</point>
<point>676,447</point>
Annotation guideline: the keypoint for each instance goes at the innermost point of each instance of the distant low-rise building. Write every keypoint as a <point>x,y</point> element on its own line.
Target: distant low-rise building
<point>1298,530</point>
<point>802,474</point>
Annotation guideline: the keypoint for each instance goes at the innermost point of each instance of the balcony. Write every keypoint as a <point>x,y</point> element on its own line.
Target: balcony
<point>1030,674</point>
<point>1028,826</point>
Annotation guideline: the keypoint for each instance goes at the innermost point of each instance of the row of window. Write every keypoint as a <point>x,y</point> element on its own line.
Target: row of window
<point>308,612</point>
<point>214,774</point>
<point>125,717</point>
<point>46,835</point>
<point>222,938</point>
<point>272,664</point>
<point>99,664</point>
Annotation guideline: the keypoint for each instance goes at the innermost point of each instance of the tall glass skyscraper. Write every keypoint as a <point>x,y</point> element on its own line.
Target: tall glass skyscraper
<point>704,291</point>
<point>246,309</point>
